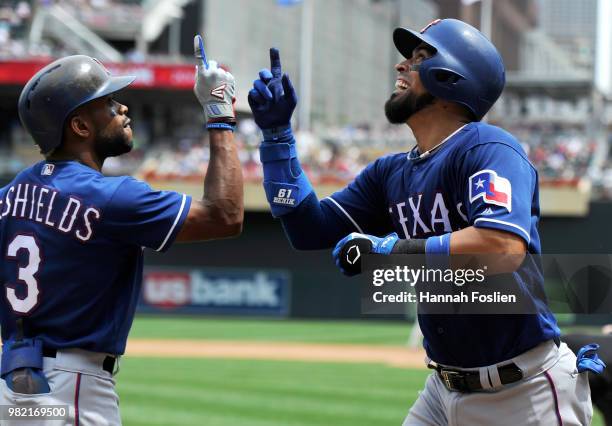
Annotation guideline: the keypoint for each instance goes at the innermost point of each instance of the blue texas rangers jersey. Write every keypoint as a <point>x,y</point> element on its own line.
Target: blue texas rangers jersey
<point>73,241</point>
<point>479,177</point>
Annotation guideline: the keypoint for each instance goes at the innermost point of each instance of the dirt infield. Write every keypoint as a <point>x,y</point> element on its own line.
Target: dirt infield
<point>394,356</point>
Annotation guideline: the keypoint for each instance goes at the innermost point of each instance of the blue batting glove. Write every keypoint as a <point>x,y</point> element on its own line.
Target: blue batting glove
<point>272,98</point>
<point>588,360</point>
<point>349,250</point>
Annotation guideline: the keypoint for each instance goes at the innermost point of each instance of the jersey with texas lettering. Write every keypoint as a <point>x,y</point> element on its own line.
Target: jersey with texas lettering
<point>481,177</point>
<point>72,241</point>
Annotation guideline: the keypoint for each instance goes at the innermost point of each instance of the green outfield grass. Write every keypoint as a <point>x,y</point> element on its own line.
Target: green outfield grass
<point>313,331</point>
<point>355,332</point>
<point>212,392</point>
<point>219,392</point>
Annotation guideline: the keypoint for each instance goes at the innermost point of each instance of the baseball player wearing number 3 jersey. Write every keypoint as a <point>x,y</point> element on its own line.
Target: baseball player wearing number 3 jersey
<point>72,239</point>
<point>467,187</point>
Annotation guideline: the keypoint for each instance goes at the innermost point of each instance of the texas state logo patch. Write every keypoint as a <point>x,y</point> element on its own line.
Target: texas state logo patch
<point>492,188</point>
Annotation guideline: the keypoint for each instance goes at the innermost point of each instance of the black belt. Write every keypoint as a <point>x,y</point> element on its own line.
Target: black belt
<point>469,381</point>
<point>107,365</point>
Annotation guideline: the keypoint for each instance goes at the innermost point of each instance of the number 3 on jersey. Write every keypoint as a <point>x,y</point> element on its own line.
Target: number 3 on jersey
<point>26,273</point>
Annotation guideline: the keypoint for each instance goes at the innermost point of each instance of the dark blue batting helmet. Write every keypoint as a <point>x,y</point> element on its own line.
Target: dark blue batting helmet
<point>466,68</point>
<point>57,90</point>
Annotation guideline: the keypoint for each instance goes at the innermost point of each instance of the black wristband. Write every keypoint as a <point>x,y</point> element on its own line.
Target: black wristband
<point>412,246</point>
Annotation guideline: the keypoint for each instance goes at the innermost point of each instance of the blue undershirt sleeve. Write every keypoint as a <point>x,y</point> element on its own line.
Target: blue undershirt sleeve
<point>314,225</point>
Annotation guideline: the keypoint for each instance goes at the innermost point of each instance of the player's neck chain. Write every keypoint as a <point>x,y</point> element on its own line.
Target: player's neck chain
<point>412,154</point>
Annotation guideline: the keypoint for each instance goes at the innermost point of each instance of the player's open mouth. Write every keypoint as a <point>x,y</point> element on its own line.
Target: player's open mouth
<point>127,124</point>
<point>401,84</point>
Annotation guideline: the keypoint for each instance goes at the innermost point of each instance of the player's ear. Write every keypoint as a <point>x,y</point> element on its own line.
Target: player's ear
<point>79,125</point>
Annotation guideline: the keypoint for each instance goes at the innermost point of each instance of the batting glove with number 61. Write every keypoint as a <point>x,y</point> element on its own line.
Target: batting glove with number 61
<point>214,88</point>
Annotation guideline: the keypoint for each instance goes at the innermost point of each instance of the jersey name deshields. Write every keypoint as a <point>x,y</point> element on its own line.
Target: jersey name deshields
<point>48,206</point>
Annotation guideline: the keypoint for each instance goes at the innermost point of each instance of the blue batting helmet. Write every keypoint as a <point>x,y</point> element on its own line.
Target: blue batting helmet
<point>466,68</point>
<point>57,90</point>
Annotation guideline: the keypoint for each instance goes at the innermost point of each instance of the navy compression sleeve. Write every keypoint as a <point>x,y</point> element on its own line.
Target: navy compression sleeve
<point>314,225</point>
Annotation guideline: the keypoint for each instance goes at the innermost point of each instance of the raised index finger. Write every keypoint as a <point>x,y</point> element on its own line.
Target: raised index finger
<point>198,50</point>
<point>275,65</point>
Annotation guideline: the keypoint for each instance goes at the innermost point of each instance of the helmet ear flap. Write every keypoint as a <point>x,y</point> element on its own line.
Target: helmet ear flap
<point>441,82</point>
<point>445,83</point>
<point>440,75</point>
<point>444,76</point>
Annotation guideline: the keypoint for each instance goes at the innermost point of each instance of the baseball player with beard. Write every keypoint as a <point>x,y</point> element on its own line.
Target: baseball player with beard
<point>466,187</point>
<point>73,239</point>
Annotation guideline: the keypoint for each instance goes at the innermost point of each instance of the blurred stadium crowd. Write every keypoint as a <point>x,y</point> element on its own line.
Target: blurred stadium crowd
<point>558,152</point>
<point>561,154</point>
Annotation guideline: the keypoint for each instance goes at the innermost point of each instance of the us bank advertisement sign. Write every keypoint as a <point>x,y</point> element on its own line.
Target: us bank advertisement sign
<point>216,291</point>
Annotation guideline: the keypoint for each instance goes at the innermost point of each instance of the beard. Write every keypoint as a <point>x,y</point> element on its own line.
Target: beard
<point>401,106</point>
<point>112,144</point>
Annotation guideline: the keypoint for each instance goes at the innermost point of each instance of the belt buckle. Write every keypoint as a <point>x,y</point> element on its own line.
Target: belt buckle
<point>447,376</point>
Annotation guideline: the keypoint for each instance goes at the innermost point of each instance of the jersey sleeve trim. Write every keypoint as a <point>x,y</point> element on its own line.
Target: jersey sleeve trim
<point>176,221</point>
<point>345,213</point>
<point>513,148</point>
<point>507,226</point>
